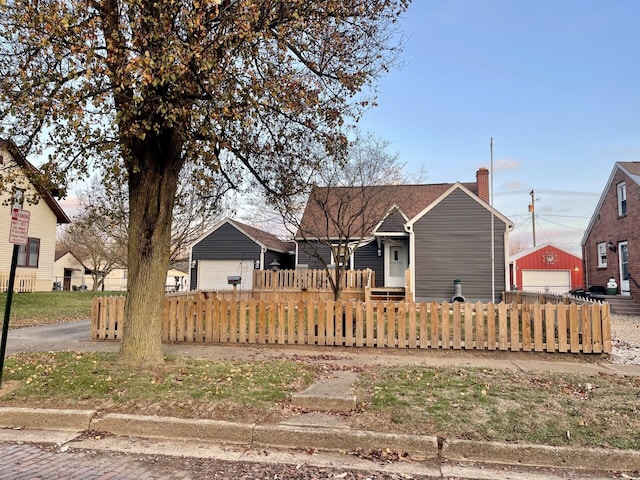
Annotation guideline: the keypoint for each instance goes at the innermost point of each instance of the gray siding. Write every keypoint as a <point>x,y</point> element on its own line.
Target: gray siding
<point>393,223</point>
<point>226,243</point>
<point>453,241</point>
<point>305,258</point>
<point>367,257</point>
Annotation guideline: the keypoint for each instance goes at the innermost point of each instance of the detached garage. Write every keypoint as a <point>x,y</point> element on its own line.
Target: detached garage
<point>233,249</point>
<point>545,268</point>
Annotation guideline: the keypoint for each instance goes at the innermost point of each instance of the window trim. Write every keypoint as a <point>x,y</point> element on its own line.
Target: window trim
<point>345,253</point>
<point>621,191</point>
<point>26,251</point>
<point>602,254</point>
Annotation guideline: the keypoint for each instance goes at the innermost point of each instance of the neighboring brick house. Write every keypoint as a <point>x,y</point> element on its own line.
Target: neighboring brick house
<point>611,243</point>
<point>37,257</point>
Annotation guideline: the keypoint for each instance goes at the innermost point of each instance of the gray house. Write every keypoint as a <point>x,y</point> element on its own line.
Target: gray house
<point>233,249</point>
<point>440,232</point>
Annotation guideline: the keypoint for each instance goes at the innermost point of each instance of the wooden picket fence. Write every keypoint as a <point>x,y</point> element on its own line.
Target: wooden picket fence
<point>308,284</point>
<point>569,328</point>
<point>24,282</point>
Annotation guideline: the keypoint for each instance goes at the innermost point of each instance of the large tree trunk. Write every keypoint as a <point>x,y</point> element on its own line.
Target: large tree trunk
<point>152,187</point>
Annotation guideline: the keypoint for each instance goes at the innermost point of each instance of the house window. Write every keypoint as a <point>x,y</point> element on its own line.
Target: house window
<point>29,254</point>
<point>602,255</point>
<point>622,199</point>
<point>340,254</point>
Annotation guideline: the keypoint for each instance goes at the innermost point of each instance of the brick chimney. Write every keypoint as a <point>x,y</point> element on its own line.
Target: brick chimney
<point>482,182</point>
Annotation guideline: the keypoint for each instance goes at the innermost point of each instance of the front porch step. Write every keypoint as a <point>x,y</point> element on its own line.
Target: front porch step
<point>620,305</point>
<point>388,294</point>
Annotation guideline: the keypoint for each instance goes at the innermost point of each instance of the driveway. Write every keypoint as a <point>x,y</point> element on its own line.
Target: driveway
<point>57,337</point>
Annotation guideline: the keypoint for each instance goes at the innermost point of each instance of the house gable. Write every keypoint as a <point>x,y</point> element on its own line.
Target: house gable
<point>225,242</point>
<point>263,239</point>
<point>393,222</point>
<point>466,191</point>
<point>543,262</point>
<point>29,174</point>
<point>452,240</point>
<point>230,240</point>
<point>369,206</point>
<point>45,215</point>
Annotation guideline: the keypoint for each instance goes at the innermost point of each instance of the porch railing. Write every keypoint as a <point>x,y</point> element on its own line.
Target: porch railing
<point>309,284</point>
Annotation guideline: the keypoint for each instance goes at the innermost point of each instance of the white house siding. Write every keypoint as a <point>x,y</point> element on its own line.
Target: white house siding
<point>42,225</point>
<point>68,261</point>
<point>115,281</point>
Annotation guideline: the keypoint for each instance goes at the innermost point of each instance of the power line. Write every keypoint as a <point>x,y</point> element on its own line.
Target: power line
<point>564,216</point>
<point>550,192</point>
<point>559,224</point>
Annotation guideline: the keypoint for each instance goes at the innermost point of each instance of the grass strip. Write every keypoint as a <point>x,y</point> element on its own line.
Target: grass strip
<point>468,403</point>
<point>502,405</point>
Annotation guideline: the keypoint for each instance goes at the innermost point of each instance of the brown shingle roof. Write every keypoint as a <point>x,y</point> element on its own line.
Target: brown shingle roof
<point>366,206</point>
<point>267,239</point>
<point>632,167</point>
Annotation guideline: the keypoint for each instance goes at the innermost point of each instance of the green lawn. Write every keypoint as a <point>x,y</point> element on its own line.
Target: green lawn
<point>467,403</point>
<point>38,308</point>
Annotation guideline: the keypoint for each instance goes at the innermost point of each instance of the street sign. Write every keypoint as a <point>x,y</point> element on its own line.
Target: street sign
<point>19,232</point>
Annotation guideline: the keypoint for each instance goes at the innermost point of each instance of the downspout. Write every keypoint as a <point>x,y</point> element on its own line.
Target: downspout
<point>507,285</point>
<point>585,263</point>
<point>190,268</point>
<point>412,260</point>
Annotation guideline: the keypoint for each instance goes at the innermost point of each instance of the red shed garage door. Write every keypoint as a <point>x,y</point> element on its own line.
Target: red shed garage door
<point>551,281</point>
<point>212,274</point>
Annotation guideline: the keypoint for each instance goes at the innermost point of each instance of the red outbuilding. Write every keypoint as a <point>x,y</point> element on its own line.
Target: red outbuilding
<point>545,268</point>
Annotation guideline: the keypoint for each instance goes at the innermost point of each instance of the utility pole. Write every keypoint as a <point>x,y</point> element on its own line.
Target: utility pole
<point>493,255</point>
<point>532,209</point>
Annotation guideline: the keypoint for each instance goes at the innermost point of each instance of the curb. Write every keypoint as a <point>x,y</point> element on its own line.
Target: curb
<point>542,455</point>
<point>332,439</point>
<point>46,419</point>
<point>171,427</point>
<point>321,438</point>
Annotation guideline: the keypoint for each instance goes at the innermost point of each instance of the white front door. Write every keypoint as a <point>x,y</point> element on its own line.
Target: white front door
<point>623,255</point>
<point>395,264</point>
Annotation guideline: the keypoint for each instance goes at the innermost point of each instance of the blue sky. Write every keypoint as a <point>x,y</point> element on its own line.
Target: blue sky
<point>556,83</point>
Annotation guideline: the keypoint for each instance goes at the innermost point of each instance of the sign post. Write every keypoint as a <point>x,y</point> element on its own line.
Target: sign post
<point>18,235</point>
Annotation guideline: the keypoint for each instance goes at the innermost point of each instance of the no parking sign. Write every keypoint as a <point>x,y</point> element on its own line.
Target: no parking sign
<point>19,232</point>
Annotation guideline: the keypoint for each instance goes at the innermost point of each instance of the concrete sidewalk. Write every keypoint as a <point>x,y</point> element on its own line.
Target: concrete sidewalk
<point>86,429</point>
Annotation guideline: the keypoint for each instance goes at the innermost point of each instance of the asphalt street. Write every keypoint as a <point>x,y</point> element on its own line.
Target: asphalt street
<point>56,337</point>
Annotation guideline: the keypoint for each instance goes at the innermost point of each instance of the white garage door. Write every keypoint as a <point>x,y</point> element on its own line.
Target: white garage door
<point>212,274</point>
<point>548,281</point>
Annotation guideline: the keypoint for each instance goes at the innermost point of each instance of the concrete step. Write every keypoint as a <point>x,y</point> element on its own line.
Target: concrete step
<point>622,305</point>
<point>329,394</point>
